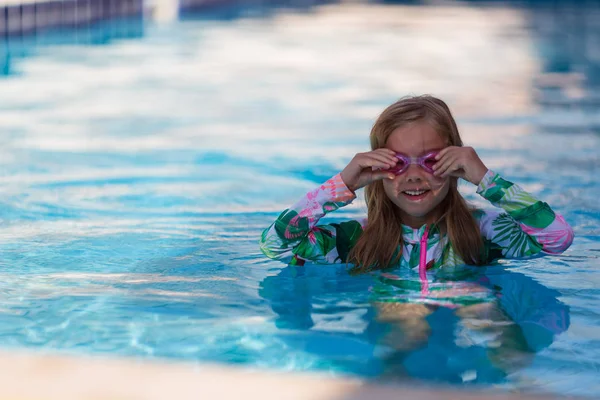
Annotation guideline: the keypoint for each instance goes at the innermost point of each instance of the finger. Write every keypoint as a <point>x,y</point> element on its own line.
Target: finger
<point>377,160</point>
<point>452,171</point>
<point>387,153</point>
<point>446,164</point>
<point>443,158</point>
<point>379,175</point>
<point>443,163</point>
<point>385,150</point>
<point>382,162</point>
<point>374,163</point>
<point>445,151</point>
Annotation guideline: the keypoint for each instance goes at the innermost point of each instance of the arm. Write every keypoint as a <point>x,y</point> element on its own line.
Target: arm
<point>295,236</point>
<point>526,228</point>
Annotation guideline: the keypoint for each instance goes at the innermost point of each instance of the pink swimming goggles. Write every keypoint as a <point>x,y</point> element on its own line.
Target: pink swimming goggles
<point>426,162</point>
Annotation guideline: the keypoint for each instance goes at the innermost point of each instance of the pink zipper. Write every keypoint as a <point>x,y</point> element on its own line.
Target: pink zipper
<point>423,262</point>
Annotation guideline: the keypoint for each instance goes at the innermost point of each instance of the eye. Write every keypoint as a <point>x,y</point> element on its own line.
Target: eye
<point>400,164</point>
<point>429,162</point>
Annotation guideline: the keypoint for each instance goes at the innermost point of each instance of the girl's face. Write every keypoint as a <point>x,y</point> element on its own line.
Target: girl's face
<point>416,192</point>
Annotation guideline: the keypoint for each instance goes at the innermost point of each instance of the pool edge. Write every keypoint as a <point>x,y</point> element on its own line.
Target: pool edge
<point>34,376</point>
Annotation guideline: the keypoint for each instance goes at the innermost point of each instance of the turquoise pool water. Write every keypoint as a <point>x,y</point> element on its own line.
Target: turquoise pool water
<point>136,177</point>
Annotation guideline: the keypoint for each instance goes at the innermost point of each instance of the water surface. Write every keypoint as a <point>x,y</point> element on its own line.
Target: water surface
<point>136,176</point>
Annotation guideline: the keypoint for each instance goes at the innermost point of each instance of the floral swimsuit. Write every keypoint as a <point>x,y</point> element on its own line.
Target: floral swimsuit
<point>521,227</point>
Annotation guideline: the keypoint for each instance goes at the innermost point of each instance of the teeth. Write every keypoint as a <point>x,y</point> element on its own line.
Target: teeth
<point>414,192</point>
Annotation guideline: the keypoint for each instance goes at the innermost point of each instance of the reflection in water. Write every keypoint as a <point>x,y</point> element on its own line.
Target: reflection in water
<point>465,338</point>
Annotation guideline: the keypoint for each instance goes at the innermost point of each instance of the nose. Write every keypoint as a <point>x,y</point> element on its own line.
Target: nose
<point>414,173</point>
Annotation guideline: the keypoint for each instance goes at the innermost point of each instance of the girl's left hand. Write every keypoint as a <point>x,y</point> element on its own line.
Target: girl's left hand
<point>462,162</point>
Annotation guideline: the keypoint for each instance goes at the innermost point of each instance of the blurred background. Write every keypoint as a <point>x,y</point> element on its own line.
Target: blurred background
<point>145,145</point>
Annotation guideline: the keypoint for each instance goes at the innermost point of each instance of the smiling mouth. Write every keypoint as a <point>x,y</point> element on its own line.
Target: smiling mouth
<point>415,194</point>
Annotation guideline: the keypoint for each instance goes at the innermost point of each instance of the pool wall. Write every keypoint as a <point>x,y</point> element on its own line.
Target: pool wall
<point>18,18</point>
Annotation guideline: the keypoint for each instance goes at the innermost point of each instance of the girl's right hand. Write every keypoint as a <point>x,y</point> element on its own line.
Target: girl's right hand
<point>369,167</point>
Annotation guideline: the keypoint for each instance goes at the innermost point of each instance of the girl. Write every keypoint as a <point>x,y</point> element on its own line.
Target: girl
<point>416,216</point>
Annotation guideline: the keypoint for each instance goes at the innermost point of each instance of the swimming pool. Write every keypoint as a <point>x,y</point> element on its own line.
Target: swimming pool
<point>136,177</point>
